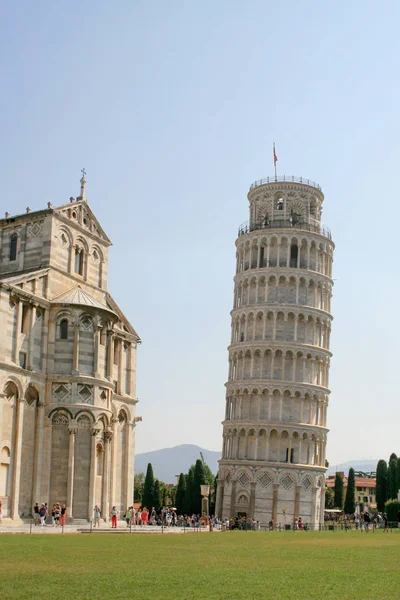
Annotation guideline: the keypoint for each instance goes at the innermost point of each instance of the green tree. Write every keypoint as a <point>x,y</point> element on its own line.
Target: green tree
<point>199,479</point>
<point>339,487</point>
<point>392,456</point>
<point>398,475</point>
<point>180,494</point>
<point>392,479</point>
<point>148,488</point>
<point>329,498</point>
<point>350,503</point>
<point>157,498</point>
<point>138,486</point>
<point>188,500</point>
<point>381,484</point>
<point>392,508</point>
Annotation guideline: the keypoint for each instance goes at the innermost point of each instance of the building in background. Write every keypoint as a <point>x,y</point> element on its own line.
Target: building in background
<point>275,427</point>
<point>365,489</point>
<point>67,366</point>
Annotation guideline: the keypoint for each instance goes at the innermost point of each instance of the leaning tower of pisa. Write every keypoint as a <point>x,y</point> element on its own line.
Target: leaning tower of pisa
<point>274,431</point>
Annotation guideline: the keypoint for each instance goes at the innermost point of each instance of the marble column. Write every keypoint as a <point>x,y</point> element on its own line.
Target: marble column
<point>97,330</point>
<point>233,499</point>
<point>105,509</point>
<point>71,471</point>
<point>113,474</point>
<point>110,355</point>
<point>314,524</point>
<point>32,312</point>
<point>252,499</point>
<point>92,477</point>
<point>220,498</point>
<point>297,502</point>
<point>275,503</point>
<point>38,453</point>
<point>75,357</point>
<point>17,451</point>
<point>17,330</point>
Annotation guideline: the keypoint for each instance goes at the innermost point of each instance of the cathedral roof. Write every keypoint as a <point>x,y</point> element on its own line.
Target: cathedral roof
<point>77,295</point>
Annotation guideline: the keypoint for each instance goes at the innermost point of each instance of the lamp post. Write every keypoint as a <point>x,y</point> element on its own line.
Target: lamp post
<point>205,492</point>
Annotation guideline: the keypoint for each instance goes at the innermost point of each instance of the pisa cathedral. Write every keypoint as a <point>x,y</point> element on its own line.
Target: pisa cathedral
<point>275,426</point>
<point>67,367</point>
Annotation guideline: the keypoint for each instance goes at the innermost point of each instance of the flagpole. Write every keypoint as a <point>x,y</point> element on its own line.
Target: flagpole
<point>274,159</point>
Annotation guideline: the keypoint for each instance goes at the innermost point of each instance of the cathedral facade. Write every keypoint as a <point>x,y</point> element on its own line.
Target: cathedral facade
<point>67,367</point>
<point>275,426</point>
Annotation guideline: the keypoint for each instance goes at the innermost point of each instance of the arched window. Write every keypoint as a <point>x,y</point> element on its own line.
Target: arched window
<point>279,203</point>
<point>63,329</point>
<point>294,253</point>
<point>79,261</point>
<point>13,246</point>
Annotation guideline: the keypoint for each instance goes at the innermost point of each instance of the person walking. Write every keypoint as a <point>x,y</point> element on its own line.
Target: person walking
<point>114,516</point>
<point>35,514</point>
<point>385,523</point>
<point>96,515</point>
<point>63,515</point>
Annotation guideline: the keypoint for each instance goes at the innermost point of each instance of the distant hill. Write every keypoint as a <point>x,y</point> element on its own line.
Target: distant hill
<point>169,462</point>
<point>358,465</point>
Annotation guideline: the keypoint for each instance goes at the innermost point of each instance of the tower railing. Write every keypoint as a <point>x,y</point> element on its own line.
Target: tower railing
<point>285,179</point>
<point>315,227</point>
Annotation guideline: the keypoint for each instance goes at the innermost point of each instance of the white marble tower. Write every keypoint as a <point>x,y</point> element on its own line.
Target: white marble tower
<point>274,432</point>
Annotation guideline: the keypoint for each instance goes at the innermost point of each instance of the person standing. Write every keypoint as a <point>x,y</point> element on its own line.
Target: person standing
<point>97,515</point>
<point>128,514</point>
<point>114,516</point>
<point>367,520</point>
<point>42,513</point>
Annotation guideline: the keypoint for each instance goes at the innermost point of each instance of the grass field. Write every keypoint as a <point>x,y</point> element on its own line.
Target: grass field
<point>232,565</point>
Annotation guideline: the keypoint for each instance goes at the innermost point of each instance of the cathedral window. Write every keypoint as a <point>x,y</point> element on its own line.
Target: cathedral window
<point>79,261</point>
<point>13,246</point>
<point>63,329</point>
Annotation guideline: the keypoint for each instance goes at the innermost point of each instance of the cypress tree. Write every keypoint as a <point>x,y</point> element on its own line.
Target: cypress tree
<point>350,503</point>
<point>180,494</point>
<point>392,456</point>
<point>381,485</point>
<point>157,498</point>
<point>199,479</point>
<point>148,488</point>
<point>392,479</point>
<point>188,500</point>
<point>339,486</point>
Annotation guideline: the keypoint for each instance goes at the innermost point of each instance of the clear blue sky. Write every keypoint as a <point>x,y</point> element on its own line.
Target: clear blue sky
<point>172,107</point>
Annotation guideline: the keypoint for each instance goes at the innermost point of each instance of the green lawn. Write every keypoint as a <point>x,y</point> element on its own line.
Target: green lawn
<point>205,566</point>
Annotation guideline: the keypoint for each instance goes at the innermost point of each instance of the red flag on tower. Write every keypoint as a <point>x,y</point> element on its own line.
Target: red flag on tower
<point>275,159</point>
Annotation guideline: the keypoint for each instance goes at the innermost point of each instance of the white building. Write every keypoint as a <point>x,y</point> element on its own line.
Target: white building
<point>274,432</point>
<point>67,367</point>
